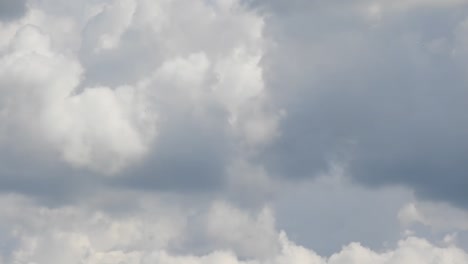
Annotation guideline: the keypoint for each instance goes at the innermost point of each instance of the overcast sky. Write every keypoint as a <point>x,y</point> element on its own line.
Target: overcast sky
<point>234,132</point>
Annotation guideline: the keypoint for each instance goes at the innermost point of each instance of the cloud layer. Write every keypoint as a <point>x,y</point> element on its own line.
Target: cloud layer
<point>380,88</point>
<point>97,90</point>
<point>171,131</point>
<point>77,235</point>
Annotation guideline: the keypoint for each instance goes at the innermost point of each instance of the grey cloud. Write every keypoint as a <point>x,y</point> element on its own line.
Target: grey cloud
<point>372,93</point>
<point>44,179</point>
<point>382,93</point>
<point>340,211</point>
<point>188,156</point>
<point>356,89</point>
<point>12,9</point>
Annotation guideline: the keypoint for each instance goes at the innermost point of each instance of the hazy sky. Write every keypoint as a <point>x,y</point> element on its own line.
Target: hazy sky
<point>233,132</point>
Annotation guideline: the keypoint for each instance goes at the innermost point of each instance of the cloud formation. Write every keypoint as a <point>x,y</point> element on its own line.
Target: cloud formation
<point>77,235</point>
<point>90,104</point>
<point>10,10</point>
<point>382,89</point>
<point>156,131</point>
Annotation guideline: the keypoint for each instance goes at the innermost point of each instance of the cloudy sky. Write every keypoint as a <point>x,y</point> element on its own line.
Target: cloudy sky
<point>234,132</point>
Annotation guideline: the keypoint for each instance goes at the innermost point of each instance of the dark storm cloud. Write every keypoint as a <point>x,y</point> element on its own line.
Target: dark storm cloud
<point>387,95</point>
<point>12,9</point>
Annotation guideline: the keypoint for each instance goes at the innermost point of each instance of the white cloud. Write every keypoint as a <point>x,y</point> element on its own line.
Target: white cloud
<point>410,250</point>
<point>92,82</point>
<point>100,128</point>
<point>74,234</point>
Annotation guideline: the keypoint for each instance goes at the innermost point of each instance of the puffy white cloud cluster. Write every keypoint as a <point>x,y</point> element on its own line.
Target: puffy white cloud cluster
<point>75,234</point>
<point>94,81</point>
<point>99,127</point>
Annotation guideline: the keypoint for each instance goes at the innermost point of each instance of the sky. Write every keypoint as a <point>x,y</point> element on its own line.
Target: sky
<point>234,132</point>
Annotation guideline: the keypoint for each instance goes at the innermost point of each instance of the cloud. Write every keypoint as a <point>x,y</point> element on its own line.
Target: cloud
<point>248,236</point>
<point>142,131</point>
<point>100,127</point>
<point>100,91</point>
<point>146,236</point>
<point>438,216</point>
<point>381,95</point>
<point>10,10</point>
<point>338,209</point>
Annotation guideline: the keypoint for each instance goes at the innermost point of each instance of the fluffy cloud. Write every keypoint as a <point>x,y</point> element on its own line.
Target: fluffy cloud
<point>99,127</point>
<point>77,235</point>
<point>96,89</point>
<point>210,116</point>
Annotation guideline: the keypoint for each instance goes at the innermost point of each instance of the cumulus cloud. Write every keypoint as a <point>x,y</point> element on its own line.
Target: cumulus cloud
<point>96,89</point>
<point>210,118</point>
<point>100,127</point>
<point>145,237</point>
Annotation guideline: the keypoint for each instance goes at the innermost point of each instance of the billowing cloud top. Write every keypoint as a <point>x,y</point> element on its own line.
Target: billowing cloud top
<point>171,131</point>
<point>97,86</point>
